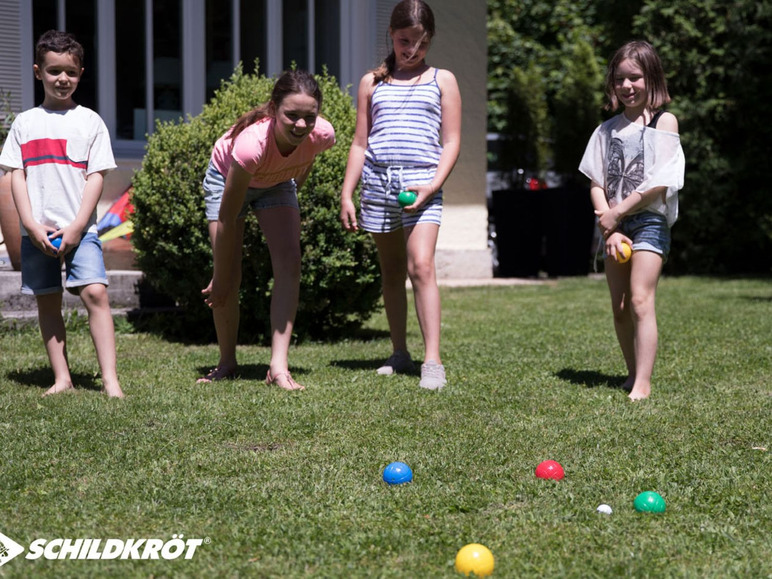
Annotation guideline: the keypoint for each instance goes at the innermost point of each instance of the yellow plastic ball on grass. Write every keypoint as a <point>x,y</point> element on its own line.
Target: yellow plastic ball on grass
<point>474,558</point>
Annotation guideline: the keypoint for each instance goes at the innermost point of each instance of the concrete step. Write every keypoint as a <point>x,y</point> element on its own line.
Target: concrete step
<point>124,292</point>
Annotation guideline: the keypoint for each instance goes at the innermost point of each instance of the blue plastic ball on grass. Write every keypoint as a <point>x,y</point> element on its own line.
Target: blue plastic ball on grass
<point>397,473</point>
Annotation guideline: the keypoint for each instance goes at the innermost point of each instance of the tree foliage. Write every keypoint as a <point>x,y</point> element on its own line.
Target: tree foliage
<point>541,64</point>
<point>717,56</point>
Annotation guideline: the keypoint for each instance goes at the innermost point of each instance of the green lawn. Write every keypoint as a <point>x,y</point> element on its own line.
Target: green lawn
<point>279,484</point>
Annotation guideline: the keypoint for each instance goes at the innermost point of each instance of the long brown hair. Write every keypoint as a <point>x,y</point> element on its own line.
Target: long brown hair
<point>406,14</point>
<point>289,83</point>
<point>643,54</point>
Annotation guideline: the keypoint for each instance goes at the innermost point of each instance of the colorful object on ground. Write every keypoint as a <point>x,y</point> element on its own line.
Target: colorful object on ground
<point>550,469</point>
<point>406,198</point>
<point>119,214</point>
<point>649,502</point>
<point>397,473</point>
<point>124,228</point>
<point>605,509</point>
<point>627,251</point>
<point>475,558</point>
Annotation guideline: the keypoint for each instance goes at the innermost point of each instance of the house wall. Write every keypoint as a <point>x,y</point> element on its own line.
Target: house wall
<point>459,45</point>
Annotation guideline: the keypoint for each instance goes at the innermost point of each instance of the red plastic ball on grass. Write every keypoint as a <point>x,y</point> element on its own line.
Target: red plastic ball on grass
<point>550,469</point>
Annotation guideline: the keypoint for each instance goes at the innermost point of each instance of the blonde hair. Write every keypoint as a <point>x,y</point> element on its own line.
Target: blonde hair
<point>643,54</point>
<point>406,14</point>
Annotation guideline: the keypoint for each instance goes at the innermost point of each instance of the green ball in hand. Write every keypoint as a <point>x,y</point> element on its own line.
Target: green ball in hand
<point>407,198</point>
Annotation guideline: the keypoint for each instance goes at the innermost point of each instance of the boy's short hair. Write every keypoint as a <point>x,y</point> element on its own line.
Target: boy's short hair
<point>60,42</point>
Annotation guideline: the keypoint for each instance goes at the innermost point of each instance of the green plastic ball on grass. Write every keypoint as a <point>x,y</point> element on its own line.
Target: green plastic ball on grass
<point>649,502</point>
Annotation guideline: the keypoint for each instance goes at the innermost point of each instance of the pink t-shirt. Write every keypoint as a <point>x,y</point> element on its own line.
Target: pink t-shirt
<point>256,152</point>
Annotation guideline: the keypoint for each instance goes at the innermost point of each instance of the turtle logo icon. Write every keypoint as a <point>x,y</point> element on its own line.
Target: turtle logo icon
<point>8,549</point>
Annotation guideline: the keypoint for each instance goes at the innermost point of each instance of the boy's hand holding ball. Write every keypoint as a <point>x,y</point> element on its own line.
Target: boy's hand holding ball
<point>56,242</point>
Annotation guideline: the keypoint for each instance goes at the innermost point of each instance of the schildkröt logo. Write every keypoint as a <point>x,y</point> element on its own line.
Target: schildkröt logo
<point>60,548</point>
<point>115,548</point>
<point>8,549</point>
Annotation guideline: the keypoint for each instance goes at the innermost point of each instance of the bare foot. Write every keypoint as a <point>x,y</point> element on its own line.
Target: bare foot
<point>113,390</point>
<point>640,393</point>
<point>58,389</point>
<point>283,380</point>
<point>628,384</point>
<point>219,373</point>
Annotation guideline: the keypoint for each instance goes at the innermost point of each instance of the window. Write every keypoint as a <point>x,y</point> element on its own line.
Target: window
<point>164,59</point>
<point>252,28</point>
<point>79,19</point>
<point>295,37</point>
<point>130,87</point>
<point>219,47</point>
<point>327,36</point>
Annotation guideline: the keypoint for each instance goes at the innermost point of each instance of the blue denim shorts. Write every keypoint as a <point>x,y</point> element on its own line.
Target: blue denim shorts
<point>42,274</point>
<point>649,232</point>
<point>280,195</point>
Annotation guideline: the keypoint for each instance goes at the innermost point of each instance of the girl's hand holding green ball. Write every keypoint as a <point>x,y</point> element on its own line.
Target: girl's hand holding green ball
<point>407,198</point>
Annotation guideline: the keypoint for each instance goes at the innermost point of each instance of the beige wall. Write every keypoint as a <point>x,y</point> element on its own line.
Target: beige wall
<point>460,45</point>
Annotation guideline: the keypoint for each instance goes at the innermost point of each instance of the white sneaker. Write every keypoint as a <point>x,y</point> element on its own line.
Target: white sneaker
<point>432,376</point>
<point>398,363</point>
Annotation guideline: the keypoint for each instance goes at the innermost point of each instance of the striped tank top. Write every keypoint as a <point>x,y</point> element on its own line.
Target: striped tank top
<point>406,121</point>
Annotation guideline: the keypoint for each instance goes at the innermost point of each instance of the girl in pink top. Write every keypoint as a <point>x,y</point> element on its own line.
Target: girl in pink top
<point>259,165</point>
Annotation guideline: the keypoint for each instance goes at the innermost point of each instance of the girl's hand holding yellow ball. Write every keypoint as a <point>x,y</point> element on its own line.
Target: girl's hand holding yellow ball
<point>624,255</point>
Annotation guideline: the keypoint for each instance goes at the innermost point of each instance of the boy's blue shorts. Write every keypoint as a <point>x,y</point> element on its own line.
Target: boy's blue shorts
<point>41,274</point>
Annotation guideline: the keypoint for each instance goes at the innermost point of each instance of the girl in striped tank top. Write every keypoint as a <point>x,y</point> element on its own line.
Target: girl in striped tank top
<point>407,138</point>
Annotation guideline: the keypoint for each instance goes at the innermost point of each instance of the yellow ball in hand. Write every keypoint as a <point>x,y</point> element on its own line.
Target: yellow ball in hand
<point>474,558</point>
<point>627,251</point>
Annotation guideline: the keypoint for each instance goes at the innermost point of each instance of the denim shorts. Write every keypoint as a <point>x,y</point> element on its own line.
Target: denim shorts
<point>283,194</point>
<point>41,274</point>
<point>649,232</point>
<point>380,212</point>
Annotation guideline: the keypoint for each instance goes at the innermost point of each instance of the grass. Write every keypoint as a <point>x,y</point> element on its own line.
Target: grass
<point>289,484</point>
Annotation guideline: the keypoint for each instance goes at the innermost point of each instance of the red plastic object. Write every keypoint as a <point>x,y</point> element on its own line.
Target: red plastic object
<point>550,469</point>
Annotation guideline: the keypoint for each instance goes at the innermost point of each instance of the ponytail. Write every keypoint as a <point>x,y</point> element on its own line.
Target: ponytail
<point>249,118</point>
<point>385,70</point>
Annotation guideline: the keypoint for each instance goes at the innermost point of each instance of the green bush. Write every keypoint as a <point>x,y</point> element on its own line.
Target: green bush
<point>340,284</point>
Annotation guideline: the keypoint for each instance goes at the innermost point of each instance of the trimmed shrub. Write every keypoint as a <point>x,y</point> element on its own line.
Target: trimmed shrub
<point>340,283</point>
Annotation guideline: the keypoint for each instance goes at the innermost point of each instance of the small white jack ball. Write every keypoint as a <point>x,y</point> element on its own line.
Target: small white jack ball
<point>605,509</point>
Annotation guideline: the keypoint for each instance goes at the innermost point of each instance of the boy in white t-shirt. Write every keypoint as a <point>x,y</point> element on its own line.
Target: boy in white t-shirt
<point>59,153</point>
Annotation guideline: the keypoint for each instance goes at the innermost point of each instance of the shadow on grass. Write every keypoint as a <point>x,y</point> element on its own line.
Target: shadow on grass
<point>371,364</point>
<point>43,378</point>
<point>591,378</point>
<point>254,372</point>
<point>369,334</point>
